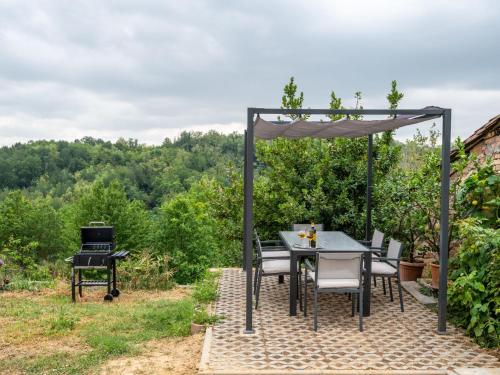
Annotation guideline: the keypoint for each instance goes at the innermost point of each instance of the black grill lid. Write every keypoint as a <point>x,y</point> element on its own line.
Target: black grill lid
<point>97,234</point>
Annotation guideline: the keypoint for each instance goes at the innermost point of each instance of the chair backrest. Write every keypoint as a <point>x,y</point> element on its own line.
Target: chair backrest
<point>335,265</point>
<point>378,238</point>
<point>258,245</point>
<point>394,251</point>
<point>299,227</point>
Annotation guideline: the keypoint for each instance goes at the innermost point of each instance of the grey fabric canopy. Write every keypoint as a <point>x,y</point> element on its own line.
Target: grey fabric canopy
<point>346,128</point>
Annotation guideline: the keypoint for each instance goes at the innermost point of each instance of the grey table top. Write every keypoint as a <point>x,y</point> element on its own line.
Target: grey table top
<point>325,241</point>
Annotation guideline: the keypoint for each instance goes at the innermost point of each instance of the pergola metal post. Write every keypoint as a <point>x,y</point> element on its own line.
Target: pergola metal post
<point>244,257</point>
<point>369,176</point>
<point>248,218</point>
<point>443,235</point>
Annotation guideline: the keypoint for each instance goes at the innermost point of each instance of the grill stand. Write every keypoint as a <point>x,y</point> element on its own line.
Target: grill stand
<point>110,282</point>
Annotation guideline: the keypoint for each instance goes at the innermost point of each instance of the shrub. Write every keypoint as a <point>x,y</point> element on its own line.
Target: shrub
<point>146,270</point>
<point>187,233</point>
<point>474,294</point>
<point>205,290</point>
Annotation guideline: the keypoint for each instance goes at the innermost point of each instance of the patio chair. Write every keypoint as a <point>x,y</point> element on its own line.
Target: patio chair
<point>388,267</point>
<point>271,263</point>
<point>376,243</point>
<point>335,272</point>
<point>270,248</point>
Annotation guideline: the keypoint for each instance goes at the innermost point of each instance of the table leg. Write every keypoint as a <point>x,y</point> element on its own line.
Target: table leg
<point>293,283</point>
<point>367,284</point>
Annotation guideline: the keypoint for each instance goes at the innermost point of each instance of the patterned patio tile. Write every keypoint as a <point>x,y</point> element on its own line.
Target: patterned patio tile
<point>391,341</point>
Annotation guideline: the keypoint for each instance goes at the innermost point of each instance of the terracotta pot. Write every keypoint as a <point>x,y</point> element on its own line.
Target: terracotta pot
<point>410,271</point>
<point>435,275</point>
<point>197,328</point>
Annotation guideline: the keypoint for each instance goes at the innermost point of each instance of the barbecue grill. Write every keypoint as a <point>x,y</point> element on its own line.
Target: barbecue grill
<point>97,252</point>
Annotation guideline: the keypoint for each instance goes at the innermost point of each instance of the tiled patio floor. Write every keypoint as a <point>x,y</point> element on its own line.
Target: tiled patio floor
<point>391,341</point>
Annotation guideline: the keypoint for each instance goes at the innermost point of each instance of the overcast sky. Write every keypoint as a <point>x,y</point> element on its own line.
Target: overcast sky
<point>150,69</point>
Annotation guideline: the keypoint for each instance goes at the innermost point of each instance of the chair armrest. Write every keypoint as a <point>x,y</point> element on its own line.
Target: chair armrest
<point>271,241</point>
<point>308,265</point>
<point>274,248</point>
<point>365,242</point>
<point>376,248</point>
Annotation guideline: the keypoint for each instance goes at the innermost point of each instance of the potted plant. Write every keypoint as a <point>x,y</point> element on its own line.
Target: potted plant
<point>201,319</point>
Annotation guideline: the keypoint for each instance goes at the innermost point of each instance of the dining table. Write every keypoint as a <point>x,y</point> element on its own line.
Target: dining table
<point>325,241</point>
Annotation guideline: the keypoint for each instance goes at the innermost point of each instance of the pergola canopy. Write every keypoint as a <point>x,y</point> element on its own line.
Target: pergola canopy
<point>346,128</point>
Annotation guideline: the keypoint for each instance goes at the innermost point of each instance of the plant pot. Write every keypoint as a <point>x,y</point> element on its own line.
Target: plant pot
<point>435,275</point>
<point>410,271</point>
<point>197,328</point>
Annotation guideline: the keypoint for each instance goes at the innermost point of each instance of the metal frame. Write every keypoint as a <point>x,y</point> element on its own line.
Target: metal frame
<point>445,188</point>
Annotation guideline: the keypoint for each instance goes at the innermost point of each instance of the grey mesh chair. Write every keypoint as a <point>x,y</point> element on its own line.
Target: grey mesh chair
<point>388,267</point>
<point>270,249</point>
<point>274,263</point>
<point>335,272</point>
<point>377,245</point>
<point>298,227</point>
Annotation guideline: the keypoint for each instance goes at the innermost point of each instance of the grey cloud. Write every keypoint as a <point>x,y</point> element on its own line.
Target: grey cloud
<point>177,64</point>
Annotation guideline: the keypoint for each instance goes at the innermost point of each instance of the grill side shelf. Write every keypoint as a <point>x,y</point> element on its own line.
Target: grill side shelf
<point>120,254</point>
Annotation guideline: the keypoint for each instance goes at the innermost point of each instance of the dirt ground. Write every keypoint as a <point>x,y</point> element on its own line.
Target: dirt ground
<point>179,356</point>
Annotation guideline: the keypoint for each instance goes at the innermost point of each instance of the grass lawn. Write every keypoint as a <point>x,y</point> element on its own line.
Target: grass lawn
<point>43,332</point>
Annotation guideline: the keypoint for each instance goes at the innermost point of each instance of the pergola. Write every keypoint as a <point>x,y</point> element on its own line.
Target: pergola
<point>260,128</point>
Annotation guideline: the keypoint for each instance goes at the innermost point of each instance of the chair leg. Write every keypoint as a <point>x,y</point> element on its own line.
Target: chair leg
<point>299,289</point>
<point>400,294</point>
<point>255,278</point>
<point>390,288</point>
<point>360,309</point>
<point>357,302</point>
<point>352,305</point>
<point>349,296</point>
<point>374,281</point>
<point>315,324</point>
<point>281,279</point>
<point>383,285</point>
<point>259,282</point>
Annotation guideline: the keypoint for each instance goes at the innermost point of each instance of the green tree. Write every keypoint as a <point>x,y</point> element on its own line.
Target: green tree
<point>187,233</point>
<point>109,204</point>
<point>290,99</point>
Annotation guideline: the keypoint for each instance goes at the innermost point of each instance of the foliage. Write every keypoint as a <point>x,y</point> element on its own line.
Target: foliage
<point>290,100</point>
<point>205,290</point>
<point>480,195</point>
<point>316,180</point>
<point>411,208</point>
<point>31,222</point>
<point>474,294</point>
<point>146,270</point>
<point>187,233</point>
<point>110,205</point>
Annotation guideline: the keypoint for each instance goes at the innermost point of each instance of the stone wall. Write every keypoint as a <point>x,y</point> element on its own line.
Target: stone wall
<point>489,147</point>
